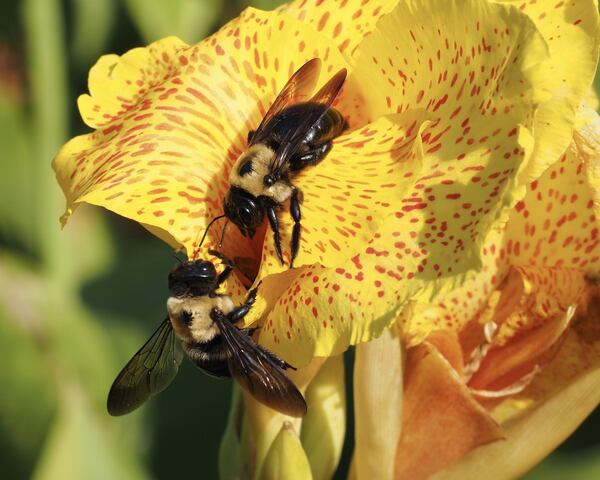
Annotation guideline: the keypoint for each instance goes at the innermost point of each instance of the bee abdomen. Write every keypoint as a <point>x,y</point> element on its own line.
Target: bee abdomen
<point>210,356</point>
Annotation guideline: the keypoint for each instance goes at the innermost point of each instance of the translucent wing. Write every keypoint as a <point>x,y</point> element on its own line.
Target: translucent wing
<point>149,371</point>
<point>322,101</point>
<point>260,372</point>
<point>297,89</point>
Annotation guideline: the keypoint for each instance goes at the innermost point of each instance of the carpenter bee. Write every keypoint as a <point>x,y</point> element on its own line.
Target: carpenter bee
<point>202,322</point>
<point>296,132</point>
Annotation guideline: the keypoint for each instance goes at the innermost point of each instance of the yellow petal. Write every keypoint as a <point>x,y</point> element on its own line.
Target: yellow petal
<point>474,67</point>
<point>172,119</point>
<point>552,235</point>
<point>324,426</point>
<point>377,406</point>
<point>349,195</point>
<point>532,436</point>
<point>572,32</point>
<point>286,458</point>
<point>471,154</point>
<point>346,22</point>
<point>264,424</point>
<point>314,310</point>
<point>442,421</point>
<point>557,223</point>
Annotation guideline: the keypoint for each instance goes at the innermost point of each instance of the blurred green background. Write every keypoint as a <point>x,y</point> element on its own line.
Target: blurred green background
<point>75,304</point>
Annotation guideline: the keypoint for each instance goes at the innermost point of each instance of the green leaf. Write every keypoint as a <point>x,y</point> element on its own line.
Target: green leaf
<point>28,401</point>
<point>191,20</point>
<point>16,188</point>
<point>230,450</point>
<point>80,445</point>
<point>583,465</point>
<point>266,4</point>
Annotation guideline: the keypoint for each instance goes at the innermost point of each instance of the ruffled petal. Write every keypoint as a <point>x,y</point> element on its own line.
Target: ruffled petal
<point>346,22</point>
<point>557,223</point>
<point>578,353</point>
<point>350,194</point>
<point>171,119</point>
<point>534,433</point>
<point>551,236</point>
<point>471,153</point>
<point>442,422</point>
<point>572,32</point>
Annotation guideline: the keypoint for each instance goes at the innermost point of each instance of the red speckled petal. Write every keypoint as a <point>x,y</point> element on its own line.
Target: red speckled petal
<point>346,22</point>
<point>173,118</point>
<point>556,224</point>
<point>472,153</point>
<point>572,32</point>
<point>551,235</point>
<point>350,194</point>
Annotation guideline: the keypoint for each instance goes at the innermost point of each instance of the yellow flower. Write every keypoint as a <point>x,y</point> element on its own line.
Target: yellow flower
<point>452,111</point>
<point>517,339</point>
<point>401,203</point>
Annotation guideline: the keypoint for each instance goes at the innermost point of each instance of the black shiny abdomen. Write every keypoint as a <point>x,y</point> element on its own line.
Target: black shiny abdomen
<point>211,357</point>
<point>329,126</point>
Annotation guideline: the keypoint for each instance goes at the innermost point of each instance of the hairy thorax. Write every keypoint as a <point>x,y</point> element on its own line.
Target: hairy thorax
<point>251,168</point>
<point>190,316</point>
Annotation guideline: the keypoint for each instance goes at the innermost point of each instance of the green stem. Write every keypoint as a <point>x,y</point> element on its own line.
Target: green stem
<point>48,80</point>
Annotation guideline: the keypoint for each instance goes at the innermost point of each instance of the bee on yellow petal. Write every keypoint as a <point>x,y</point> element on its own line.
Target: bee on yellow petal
<point>203,320</point>
<point>294,134</point>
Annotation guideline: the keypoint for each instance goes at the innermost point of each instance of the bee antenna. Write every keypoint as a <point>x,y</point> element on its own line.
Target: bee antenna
<point>206,232</point>
<point>178,259</point>
<point>223,234</point>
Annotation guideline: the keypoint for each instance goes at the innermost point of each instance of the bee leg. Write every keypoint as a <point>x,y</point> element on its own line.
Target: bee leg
<point>249,330</point>
<point>278,361</point>
<point>295,213</point>
<point>238,313</point>
<point>272,215</point>
<point>228,266</point>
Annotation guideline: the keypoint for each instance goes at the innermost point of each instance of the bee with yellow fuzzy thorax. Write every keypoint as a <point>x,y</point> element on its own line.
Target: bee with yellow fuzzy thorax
<point>294,134</point>
<point>201,322</point>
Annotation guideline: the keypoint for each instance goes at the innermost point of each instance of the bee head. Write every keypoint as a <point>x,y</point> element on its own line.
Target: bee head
<point>195,278</point>
<point>244,209</point>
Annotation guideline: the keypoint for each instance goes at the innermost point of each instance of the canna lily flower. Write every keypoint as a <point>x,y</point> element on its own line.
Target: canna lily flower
<point>517,339</point>
<point>510,358</point>
<point>448,112</point>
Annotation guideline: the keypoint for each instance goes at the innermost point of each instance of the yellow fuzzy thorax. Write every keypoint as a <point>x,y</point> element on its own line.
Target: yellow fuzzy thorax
<point>261,157</point>
<point>201,329</point>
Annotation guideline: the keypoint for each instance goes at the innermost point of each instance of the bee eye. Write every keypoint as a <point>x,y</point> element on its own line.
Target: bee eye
<point>245,168</point>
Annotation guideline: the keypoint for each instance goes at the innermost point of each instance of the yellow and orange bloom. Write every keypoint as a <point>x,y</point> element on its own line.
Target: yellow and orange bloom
<point>459,209</point>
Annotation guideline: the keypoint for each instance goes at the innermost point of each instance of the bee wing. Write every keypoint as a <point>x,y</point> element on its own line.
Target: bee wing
<point>297,89</point>
<point>323,98</point>
<point>259,372</point>
<point>148,372</point>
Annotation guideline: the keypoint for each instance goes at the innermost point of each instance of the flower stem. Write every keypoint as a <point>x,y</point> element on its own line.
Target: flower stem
<point>49,125</point>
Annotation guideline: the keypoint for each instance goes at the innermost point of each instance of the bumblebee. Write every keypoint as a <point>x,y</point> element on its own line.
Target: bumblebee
<point>294,134</point>
<point>201,323</point>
